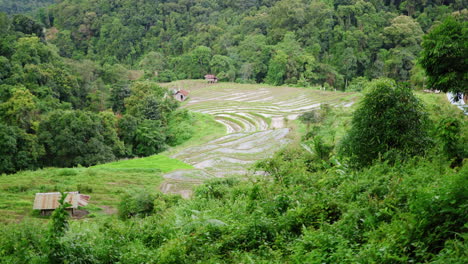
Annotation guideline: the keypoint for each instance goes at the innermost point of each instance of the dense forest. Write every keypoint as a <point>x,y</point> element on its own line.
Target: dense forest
<point>300,42</point>
<point>60,112</point>
<point>23,6</point>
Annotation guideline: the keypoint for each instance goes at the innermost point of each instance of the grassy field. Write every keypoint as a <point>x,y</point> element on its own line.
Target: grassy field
<point>105,185</point>
<point>158,162</point>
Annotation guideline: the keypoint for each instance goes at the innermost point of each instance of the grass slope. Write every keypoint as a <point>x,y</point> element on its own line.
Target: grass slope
<point>105,185</point>
<point>160,162</point>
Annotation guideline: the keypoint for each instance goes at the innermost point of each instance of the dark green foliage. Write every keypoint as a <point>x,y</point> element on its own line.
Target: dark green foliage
<point>449,133</point>
<point>22,6</point>
<point>37,86</point>
<point>278,42</point>
<point>26,25</point>
<point>23,243</point>
<point>277,69</point>
<point>389,124</point>
<point>180,127</point>
<point>18,150</point>
<point>303,205</point>
<point>444,55</point>
<point>84,188</point>
<point>128,125</point>
<point>142,203</point>
<point>413,212</point>
<point>20,110</point>
<point>150,138</point>
<point>149,101</point>
<point>77,137</point>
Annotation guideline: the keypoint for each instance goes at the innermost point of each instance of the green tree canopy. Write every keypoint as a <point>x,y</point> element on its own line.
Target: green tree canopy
<point>78,137</point>
<point>445,56</point>
<point>390,122</point>
<point>18,150</point>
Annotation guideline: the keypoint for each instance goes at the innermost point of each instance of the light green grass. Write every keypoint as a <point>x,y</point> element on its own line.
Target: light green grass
<point>105,185</point>
<point>160,162</point>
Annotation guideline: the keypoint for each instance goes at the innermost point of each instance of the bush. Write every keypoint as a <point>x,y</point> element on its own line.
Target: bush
<point>180,127</point>
<point>389,124</point>
<point>449,133</point>
<point>84,188</point>
<point>136,203</point>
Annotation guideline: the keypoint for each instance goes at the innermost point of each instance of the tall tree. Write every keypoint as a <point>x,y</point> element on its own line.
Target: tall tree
<point>445,56</point>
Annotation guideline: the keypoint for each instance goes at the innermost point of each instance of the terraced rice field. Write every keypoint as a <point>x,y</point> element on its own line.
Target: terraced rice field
<point>256,119</point>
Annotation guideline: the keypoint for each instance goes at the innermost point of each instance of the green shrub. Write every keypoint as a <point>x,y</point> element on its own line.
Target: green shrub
<point>23,243</point>
<point>150,138</point>
<point>389,124</point>
<point>166,76</point>
<point>139,203</point>
<point>180,127</point>
<point>449,133</point>
<point>216,188</point>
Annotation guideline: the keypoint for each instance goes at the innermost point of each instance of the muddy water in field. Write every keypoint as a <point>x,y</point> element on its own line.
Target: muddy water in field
<point>255,120</point>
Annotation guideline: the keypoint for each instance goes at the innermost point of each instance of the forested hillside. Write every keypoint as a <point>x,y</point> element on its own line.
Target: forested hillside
<point>23,6</point>
<point>60,112</point>
<point>305,42</point>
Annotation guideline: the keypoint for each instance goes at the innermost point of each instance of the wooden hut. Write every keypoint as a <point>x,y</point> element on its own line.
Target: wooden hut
<point>211,78</point>
<point>181,95</point>
<point>48,202</point>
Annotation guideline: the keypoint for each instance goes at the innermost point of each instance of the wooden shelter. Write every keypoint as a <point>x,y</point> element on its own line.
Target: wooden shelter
<point>211,78</point>
<point>181,95</point>
<point>48,202</point>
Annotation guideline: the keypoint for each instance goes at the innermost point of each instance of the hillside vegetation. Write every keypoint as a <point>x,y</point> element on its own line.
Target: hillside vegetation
<point>315,146</point>
<point>23,6</point>
<point>303,205</point>
<point>304,42</point>
<point>60,112</point>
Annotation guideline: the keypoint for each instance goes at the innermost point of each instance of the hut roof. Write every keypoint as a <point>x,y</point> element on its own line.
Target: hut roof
<point>49,201</point>
<point>184,92</point>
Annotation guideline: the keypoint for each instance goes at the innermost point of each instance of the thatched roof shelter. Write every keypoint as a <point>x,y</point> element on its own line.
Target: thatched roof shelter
<point>49,201</point>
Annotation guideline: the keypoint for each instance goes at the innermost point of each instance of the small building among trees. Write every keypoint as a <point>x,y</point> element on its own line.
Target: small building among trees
<point>211,78</point>
<point>48,202</point>
<point>181,95</point>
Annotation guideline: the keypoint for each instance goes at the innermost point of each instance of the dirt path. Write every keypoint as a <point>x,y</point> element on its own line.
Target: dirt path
<point>255,118</point>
